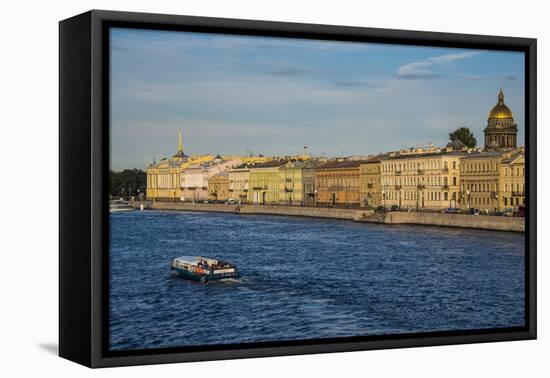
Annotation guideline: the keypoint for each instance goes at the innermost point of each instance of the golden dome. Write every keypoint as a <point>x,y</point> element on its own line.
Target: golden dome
<point>500,110</point>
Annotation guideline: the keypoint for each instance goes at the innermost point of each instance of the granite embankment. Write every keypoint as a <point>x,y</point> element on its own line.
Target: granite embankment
<point>485,222</point>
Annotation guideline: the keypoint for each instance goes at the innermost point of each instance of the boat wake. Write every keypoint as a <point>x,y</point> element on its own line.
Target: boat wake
<point>230,280</point>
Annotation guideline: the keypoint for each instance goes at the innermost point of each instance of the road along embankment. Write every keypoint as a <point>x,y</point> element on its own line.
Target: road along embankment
<point>484,222</point>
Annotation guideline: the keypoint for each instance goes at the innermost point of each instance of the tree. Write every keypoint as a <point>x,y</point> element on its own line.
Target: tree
<point>464,135</point>
<point>127,182</point>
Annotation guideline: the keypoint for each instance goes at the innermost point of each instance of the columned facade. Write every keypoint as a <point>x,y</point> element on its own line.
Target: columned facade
<point>501,131</point>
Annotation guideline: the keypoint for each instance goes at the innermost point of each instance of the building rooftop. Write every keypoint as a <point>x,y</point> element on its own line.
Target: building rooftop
<point>341,164</point>
<point>269,164</point>
<point>513,156</point>
<point>428,155</point>
<point>483,154</point>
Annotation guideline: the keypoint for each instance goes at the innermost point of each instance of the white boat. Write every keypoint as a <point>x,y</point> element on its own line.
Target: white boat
<point>120,205</point>
<point>203,269</point>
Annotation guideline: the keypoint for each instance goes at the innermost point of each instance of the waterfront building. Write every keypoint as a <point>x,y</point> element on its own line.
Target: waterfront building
<point>337,183</point>
<point>164,177</point>
<point>479,174</point>
<point>422,178</point>
<point>239,178</point>
<point>493,180</point>
<point>291,185</point>
<point>196,176</point>
<point>501,131</point>
<point>370,181</point>
<point>297,182</point>
<point>512,180</point>
<point>218,187</point>
<point>264,182</point>
<point>308,178</point>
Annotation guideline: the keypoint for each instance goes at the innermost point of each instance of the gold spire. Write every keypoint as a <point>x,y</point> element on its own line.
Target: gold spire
<point>180,144</point>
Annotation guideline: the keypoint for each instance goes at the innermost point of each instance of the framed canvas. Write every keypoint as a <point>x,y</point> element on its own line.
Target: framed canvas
<point>235,188</point>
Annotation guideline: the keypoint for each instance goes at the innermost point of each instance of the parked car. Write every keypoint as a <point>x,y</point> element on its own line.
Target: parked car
<point>451,210</point>
<point>504,213</point>
<point>230,202</point>
<point>473,211</point>
<point>395,208</point>
<point>380,209</point>
<point>205,201</point>
<point>508,212</point>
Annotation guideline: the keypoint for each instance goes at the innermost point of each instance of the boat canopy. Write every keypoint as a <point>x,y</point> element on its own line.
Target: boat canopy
<point>194,260</point>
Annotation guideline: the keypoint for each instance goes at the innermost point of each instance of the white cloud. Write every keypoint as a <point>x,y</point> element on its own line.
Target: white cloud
<point>428,68</point>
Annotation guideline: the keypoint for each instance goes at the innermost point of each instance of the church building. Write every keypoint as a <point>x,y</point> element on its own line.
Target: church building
<point>501,131</point>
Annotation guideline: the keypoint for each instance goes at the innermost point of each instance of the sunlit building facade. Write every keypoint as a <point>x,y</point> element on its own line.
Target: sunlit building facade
<point>512,180</point>
<point>422,179</point>
<point>337,183</point>
<point>196,176</point>
<point>370,180</point>
<point>218,187</point>
<point>264,182</point>
<point>238,186</point>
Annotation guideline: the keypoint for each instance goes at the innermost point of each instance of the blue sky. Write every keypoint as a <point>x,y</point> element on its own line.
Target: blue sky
<point>240,94</point>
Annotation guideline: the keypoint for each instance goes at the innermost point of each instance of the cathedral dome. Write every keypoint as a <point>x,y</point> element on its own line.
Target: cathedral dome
<point>500,110</point>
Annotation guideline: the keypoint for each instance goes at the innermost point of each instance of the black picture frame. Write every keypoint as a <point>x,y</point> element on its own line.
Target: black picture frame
<point>83,195</point>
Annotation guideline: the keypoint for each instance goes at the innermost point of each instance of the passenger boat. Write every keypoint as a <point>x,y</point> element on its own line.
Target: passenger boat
<point>120,205</point>
<point>203,269</point>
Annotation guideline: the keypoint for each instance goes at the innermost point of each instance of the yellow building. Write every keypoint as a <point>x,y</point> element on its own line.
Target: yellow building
<point>479,174</point>
<point>512,180</point>
<point>264,182</point>
<point>218,187</point>
<point>239,178</point>
<point>185,178</point>
<point>337,183</point>
<point>422,178</point>
<point>370,182</point>
<point>164,178</point>
<point>493,180</point>
<point>291,183</point>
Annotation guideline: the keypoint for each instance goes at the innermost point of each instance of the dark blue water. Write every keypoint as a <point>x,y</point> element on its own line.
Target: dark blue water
<point>306,278</point>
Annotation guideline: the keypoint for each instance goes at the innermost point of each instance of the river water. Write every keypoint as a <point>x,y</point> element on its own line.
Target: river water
<point>305,278</point>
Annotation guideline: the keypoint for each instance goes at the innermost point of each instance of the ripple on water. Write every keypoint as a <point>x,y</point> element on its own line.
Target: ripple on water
<point>304,278</point>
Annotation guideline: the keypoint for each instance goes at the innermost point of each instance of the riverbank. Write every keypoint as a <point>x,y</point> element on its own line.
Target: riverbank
<point>483,222</point>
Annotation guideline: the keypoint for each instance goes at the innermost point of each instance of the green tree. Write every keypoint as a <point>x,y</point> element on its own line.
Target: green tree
<point>464,135</point>
<point>128,182</point>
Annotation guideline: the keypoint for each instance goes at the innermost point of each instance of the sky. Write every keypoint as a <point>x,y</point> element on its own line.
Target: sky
<point>236,95</point>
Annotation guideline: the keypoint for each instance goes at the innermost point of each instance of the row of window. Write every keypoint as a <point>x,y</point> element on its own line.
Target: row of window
<point>413,196</point>
<point>479,167</point>
<point>488,187</point>
<point>414,181</point>
<point>519,171</point>
<point>480,187</point>
<point>412,166</point>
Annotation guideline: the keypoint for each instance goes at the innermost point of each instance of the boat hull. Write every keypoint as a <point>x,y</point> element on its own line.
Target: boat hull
<point>122,209</point>
<point>203,277</point>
